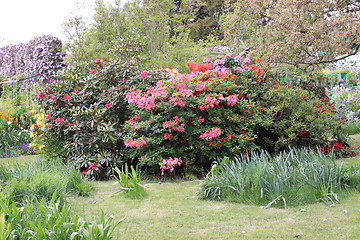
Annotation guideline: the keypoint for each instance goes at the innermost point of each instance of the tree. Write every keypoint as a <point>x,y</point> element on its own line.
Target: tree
<point>109,27</point>
<point>300,33</point>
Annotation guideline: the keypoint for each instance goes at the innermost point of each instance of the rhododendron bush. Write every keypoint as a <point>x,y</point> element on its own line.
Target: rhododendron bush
<point>84,114</point>
<point>170,122</point>
<point>227,106</point>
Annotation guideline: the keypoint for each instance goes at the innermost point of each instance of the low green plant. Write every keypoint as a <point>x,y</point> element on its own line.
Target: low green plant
<point>40,180</point>
<point>129,180</point>
<point>352,127</point>
<point>39,219</point>
<point>4,228</point>
<point>293,177</point>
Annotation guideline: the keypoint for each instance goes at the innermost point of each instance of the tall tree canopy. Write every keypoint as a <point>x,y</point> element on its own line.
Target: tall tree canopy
<point>296,32</point>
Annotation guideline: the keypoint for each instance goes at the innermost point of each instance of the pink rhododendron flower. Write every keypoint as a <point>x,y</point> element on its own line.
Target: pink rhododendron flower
<point>186,92</point>
<point>210,134</point>
<point>53,98</point>
<point>133,120</point>
<point>143,74</point>
<point>200,87</point>
<point>168,164</point>
<point>176,101</point>
<point>174,125</point>
<point>60,120</point>
<point>41,95</point>
<point>92,165</point>
<point>138,143</point>
<point>107,105</point>
<point>237,59</point>
<point>67,97</point>
<point>200,119</point>
<point>231,100</point>
<point>97,60</point>
<point>167,136</point>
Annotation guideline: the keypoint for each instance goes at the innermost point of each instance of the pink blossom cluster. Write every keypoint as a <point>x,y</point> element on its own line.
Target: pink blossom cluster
<point>232,100</point>
<point>168,164</point>
<point>210,134</point>
<point>200,119</point>
<point>174,125</point>
<point>210,102</point>
<point>177,101</point>
<point>138,143</point>
<point>133,120</point>
<point>146,99</point>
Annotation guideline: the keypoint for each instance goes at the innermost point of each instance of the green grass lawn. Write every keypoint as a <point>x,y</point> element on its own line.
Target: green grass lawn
<point>171,211</point>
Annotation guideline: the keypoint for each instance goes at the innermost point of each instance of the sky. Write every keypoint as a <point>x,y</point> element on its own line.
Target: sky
<point>23,20</point>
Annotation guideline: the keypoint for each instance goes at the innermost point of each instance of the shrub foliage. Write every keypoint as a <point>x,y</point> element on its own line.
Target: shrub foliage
<point>161,119</point>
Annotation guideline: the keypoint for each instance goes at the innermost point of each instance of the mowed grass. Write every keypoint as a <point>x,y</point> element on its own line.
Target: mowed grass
<point>171,211</point>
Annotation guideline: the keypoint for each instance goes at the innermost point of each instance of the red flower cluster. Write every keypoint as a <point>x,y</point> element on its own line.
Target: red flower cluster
<point>193,67</point>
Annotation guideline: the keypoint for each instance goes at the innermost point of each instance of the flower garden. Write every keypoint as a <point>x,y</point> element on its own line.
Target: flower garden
<point>251,136</point>
<point>184,120</point>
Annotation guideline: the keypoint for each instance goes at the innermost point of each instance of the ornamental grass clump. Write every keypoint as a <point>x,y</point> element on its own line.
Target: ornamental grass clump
<point>129,180</point>
<point>293,177</point>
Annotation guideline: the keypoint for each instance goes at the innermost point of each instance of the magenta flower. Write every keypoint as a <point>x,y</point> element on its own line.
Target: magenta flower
<point>247,60</point>
<point>60,120</point>
<point>92,165</point>
<point>52,80</point>
<point>107,105</point>
<point>76,91</point>
<point>237,59</point>
<point>53,98</point>
<point>97,60</point>
<point>41,95</point>
<point>143,74</point>
<point>67,97</point>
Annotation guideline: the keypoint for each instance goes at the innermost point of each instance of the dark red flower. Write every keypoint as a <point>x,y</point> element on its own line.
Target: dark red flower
<point>338,146</point>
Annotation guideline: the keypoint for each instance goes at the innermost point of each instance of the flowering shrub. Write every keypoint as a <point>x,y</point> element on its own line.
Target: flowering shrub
<point>41,56</point>
<point>347,102</point>
<point>84,114</point>
<point>166,120</point>
<point>227,106</point>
